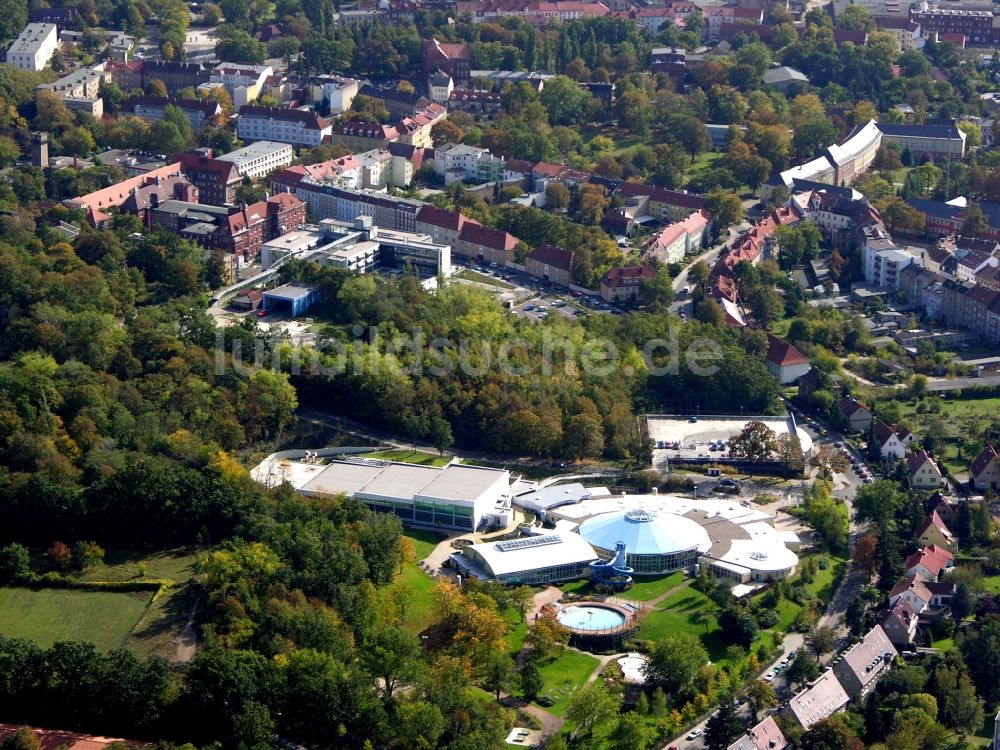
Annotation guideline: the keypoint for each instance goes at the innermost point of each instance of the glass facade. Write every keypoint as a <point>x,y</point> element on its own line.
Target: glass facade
<point>655,564</point>
<point>546,575</point>
<point>427,514</point>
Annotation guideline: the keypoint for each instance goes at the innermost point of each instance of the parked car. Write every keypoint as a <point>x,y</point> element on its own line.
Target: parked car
<point>694,734</point>
<point>770,676</point>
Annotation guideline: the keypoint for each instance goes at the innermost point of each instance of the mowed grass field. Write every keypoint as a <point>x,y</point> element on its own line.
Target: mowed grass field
<point>46,616</point>
<point>415,583</point>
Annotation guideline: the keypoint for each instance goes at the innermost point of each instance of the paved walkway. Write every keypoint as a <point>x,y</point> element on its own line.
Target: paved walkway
<point>550,722</point>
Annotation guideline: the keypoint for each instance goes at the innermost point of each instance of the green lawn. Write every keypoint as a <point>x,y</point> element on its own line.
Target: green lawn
<point>416,586</point>
<point>822,584</point>
<point>482,278</point>
<point>945,644</point>
<point>991,584</point>
<point>787,612</point>
<point>958,408</point>
<point>410,457</point>
<point>650,588</point>
<point>688,599</point>
<point>156,632</point>
<point>657,624</point>
<point>563,676</point>
<point>45,616</point>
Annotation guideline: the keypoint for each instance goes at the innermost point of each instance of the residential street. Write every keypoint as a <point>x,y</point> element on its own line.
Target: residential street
<point>845,487</point>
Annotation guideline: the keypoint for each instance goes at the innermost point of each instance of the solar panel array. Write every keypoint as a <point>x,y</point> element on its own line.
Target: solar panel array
<point>531,541</point>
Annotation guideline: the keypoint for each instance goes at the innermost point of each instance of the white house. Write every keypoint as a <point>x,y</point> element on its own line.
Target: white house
<point>888,441</point>
<point>784,361</point>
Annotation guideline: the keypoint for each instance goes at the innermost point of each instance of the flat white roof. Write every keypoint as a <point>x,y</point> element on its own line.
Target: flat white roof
<point>398,481</point>
<point>347,478</point>
<point>731,510</point>
<point>374,479</point>
<point>855,146</point>
<point>765,555</point>
<point>566,549</point>
<point>255,151</point>
<point>461,482</point>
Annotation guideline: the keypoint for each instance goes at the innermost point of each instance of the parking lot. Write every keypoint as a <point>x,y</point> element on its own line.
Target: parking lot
<point>693,437</point>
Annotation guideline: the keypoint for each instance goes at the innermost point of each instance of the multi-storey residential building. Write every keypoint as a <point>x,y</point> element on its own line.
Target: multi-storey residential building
<point>944,141</point>
<point>676,240</point>
<point>174,75</point>
<point>34,46</point>
<point>905,30</point>
<point>821,699</point>
<point>200,112</point>
<point>243,82</point>
<point>861,666</point>
<point>670,206</point>
<point>625,284</point>
<point>260,158</point>
<point>550,263</point>
<point>215,179</point>
<point>333,94</point>
<point>456,163</point>
<point>374,168</point>
<point>362,136</point>
<point>416,129</point>
<point>453,59</point>
<point>296,127</point>
<point>716,16</point>
<point>80,90</point>
<point>883,260</point>
<point>406,160</point>
<point>478,102</point>
<point>486,244</point>
<point>975,25</point>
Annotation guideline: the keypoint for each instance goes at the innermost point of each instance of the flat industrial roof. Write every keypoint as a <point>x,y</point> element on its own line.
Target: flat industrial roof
<point>290,291</point>
<point>347,478</point>
<point>399,481</point>
<point>552,497</point>
<point>460,482</point>
<point>375,479</point>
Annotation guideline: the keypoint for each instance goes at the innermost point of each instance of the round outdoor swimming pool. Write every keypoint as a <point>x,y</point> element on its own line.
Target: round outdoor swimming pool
<point>590,617</point>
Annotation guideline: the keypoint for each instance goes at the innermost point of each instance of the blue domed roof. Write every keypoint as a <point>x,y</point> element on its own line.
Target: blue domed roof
<point>645,532</point>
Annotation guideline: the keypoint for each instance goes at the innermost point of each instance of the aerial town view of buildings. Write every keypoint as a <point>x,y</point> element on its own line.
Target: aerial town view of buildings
<point>467,374</point>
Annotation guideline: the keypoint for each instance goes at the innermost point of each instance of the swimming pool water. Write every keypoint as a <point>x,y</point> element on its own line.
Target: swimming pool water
<point>586,617</point>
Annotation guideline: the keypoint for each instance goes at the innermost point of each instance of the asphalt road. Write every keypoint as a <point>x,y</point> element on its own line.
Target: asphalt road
<point>845,486</point>
<point>709,256</point>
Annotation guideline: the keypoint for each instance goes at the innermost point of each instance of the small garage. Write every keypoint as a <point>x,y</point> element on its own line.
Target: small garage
<point>248,300</point>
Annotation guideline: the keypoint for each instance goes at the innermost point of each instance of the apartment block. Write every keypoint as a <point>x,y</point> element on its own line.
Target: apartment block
<point>33,48</point>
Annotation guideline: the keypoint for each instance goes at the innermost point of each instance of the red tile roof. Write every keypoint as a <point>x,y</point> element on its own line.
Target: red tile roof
<point>443,218</point>
<point>933,558</point>
<point>553,256</point>
<point>914,584</point>
<point>51,739</point>
<point>628,276</point>
<point>783,354</point>
<point>496,239</point>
